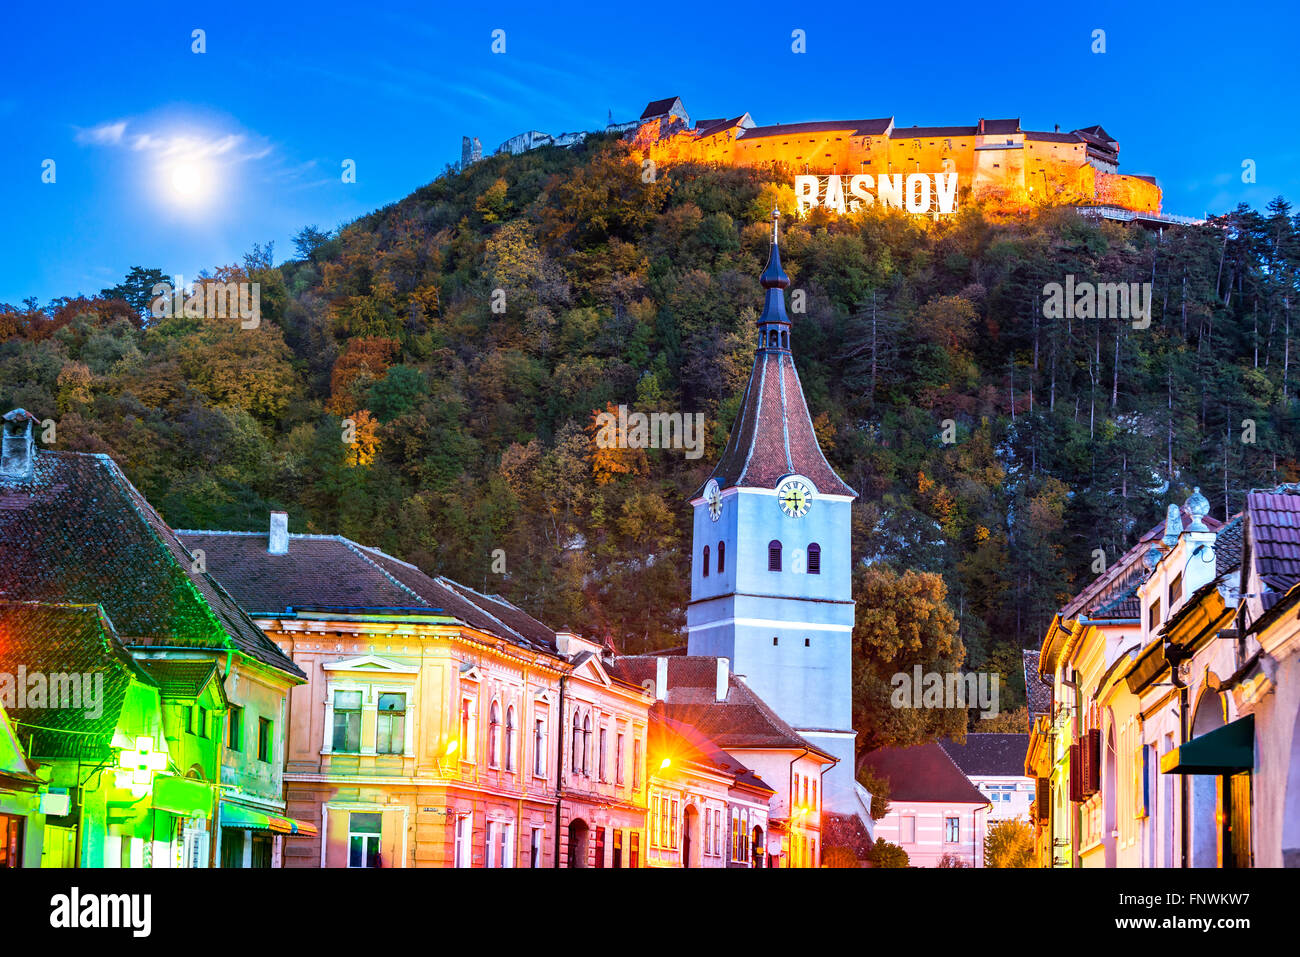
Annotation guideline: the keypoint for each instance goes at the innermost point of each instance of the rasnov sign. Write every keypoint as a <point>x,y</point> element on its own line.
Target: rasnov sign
<point>914,192</point>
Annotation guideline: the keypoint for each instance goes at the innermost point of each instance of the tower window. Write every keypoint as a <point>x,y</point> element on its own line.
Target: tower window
<point>814,559</point>
<point>705,564</point>
<point>807,642</point>
<point>775,641</point>
<point>722,557</point>
<point>774,556</point>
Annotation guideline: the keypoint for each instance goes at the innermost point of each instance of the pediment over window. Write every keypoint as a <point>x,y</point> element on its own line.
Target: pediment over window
<point>587,665</point>
<point>371,664</point>
<point>469,672</point>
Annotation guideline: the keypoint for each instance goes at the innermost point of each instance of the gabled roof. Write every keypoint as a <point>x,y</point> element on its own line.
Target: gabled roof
<point>65,639</point>
<point>915,132</point>
<point>687,743</point>
<point>713,127</point>
<point>660,107</point>
<point>1053,137</point>
<point>996,127</point>
<point>330,572</point>
<point>79,532</point>
<point>181,677</point>
<point>877,127</point>
<point>924,772</point>
<point>773,434</point>
<point>743,721</point>
<point>987,753</point>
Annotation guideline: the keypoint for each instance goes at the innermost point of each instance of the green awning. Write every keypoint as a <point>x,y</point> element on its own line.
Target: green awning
<point>184,797</point>
<point>238,815</point>
<point>1225,750</point>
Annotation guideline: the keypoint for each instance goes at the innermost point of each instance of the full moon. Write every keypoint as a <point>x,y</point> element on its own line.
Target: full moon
<point>186,181</point>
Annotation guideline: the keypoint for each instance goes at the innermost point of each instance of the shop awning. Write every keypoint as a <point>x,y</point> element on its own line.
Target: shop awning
<point>1225,750</point>
<point>237,815</point>
<point>184,797</point>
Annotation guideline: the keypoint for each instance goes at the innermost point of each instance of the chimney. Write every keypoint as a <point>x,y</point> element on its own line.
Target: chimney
<point>18,452</point>
<point>661,678</point>
<point>279,544</point>
<point>724,668</point>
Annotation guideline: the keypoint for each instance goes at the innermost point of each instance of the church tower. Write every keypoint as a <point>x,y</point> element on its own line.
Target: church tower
<point>771,565</point>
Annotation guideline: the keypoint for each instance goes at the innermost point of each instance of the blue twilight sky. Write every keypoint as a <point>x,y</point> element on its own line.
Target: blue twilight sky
<point>168,158</point>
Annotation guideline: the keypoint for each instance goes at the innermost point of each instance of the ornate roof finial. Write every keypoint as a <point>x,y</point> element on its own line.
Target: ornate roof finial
<point>774,276</point>
<point>1198,506</point>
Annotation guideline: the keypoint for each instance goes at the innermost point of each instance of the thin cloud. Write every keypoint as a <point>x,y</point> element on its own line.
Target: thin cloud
<point>169,144</point>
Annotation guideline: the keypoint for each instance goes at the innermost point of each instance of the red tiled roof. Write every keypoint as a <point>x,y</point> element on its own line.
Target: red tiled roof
<point>687,743</point>
<point>332,572</point>
<point>773,435</point>
<point>742,721</point>
<point>78,531</point>
<point>852,127</point>
<point>923,772</point>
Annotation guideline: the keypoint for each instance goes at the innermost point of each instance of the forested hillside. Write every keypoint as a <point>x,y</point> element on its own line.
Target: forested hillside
<point>474,424</point>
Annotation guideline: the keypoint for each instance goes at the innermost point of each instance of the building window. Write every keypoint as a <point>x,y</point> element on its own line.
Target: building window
<point>672,826</point>
<point>618,848</point>
<point>265,745</point>
<point>636,765</point>
<point>364,831</point>
<point>952,830</point>
<point>204,723</point>
<point>814,559</point>
<point>775,641</point>
<point>722,557</point>
<point>634,849</point>
<point>467,729</point>
<point>1175,589</point>
<point>464,831</point>
<point>618,759</point>
<point>586,746</point>
<point>576,755</point>
<point>735,836</point>
<point>705,564</point>
<point>494,735</point>
<point>535,848</point>
<point>814,795</point>
<point>189,719</point>
<point>539,747</point>
<point>235,728</point>
<point>600,761</point>
<point>347,721</point>
<point>774,556</point>
<point>600,847</point>
<point>510,738</point>
<point>1153,619</point>
<point>390,731</point>
<point>500,846</point>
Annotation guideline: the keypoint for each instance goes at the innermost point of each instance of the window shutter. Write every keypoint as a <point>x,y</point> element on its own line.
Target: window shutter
<point>1042,798</point>
<point>1076,773</point>
<point>1092,762</point>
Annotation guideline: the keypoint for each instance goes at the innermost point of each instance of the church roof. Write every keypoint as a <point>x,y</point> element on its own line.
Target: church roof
<point>923,772</point>
<point>773,435</point>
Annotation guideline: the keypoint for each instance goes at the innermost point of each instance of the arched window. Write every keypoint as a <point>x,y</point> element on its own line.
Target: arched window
<point>494,734</point>
<point>577,743</point>
<point>705,563</point>
<point>586,746</point>
<point>510,738</point>
<point>814,559</point>
<point>774,556</point>
<point>722,557</point>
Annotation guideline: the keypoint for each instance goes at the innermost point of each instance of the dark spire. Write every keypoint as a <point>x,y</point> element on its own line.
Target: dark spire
<point>774,276</point>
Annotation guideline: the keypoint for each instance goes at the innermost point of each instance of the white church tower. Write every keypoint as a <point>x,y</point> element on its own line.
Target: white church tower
<point>771,566</point>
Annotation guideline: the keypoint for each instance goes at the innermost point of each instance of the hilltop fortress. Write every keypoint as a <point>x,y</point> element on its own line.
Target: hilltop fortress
<point>846,164</point>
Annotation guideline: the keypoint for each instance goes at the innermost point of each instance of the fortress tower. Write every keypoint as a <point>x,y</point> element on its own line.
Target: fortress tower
<point>771,567</point>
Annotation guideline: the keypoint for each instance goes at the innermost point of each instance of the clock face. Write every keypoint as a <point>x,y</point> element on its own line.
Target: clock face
<point>795,497</point>
<point>713,495</point>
